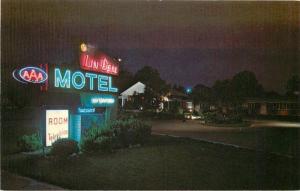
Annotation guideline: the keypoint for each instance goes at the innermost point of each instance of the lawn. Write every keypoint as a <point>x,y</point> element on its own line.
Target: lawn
<point>163,163</point>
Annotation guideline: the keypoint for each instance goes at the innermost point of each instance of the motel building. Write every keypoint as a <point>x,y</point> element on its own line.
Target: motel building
<point>137,88</point>
<point>75,96</point>
<point>172,99</point>
<point>276,107</point>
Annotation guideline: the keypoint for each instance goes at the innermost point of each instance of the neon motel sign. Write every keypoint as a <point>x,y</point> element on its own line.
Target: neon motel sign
<point>67,79</point>
<point>30,74</point>
<point>78,81</point>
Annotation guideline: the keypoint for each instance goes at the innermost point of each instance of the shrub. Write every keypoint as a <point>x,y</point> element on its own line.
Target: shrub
<point>209,116</point>
<point>236,118</point>
<point>118,134</point>
<point>64,147</point>
<point>30,142</point>
<point>97,139</point>
<point>214,117</point>
<point>142,132</point>
<point>131,131</point>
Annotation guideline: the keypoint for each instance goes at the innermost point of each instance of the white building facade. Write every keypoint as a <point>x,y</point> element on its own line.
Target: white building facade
<point>137,88</point>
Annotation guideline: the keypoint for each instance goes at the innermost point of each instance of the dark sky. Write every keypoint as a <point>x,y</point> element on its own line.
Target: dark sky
<point>188,42</point>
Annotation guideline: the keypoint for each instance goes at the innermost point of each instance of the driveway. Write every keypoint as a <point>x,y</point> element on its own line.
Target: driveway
<point>268,136</point>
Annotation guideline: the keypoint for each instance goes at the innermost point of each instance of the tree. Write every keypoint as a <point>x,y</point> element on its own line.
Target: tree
<point>179,88</point>
<point>293,86</point>
<point>244,85</point>
<point>222,91</point>
<point>202,93</point>
<point>150,98</point>
<point>151,78</point>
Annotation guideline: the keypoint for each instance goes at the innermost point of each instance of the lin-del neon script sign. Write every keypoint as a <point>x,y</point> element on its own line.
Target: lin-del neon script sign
<point>100,63</point>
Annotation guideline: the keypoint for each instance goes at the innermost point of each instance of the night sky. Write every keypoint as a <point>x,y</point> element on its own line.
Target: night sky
<point>188,42</point>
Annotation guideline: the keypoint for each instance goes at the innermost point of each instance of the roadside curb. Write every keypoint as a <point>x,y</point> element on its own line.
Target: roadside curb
<point>225,144</point>
<point>31,184</point>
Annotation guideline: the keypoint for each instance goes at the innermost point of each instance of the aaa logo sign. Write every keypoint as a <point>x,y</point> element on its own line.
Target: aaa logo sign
<point>57,125</point>
<point>31,75</point>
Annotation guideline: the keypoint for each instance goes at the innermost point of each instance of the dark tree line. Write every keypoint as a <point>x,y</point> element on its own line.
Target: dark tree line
<point>242,86</point>
<point>229,91</point>
<point>232,91</point>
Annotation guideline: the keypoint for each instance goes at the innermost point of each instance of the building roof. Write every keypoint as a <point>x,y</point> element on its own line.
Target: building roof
<point>138,87</point>
<point>270,100</point>
<point>175,93</point>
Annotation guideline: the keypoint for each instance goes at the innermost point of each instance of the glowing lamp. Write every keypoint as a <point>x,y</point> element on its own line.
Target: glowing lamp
<point>83,47</point>
<point>188,90</point>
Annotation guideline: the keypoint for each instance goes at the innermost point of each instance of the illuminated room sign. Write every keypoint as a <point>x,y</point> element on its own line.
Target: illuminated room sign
<point>77,80</point>
<point>30,74</point>
<point>57,125</point>
<point>99,63</point>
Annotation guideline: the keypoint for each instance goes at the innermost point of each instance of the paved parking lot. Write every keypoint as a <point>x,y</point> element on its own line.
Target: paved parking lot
<point>270,136</point>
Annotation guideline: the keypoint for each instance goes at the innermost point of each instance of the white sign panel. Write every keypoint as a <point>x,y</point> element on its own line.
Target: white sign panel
<point>57,125</point>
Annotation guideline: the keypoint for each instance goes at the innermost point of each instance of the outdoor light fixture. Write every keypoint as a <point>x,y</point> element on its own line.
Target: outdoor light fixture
<point>83,47</point>
<point>188,90</point>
